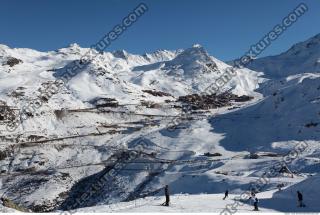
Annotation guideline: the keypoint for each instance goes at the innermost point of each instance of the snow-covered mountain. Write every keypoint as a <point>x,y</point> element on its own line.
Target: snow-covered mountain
<point>115,74</point>
<point>126,78</point>
<point>119,102</point>
<point>302,57</point>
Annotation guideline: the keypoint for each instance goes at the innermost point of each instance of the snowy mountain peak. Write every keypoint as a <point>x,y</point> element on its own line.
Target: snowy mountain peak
<point>196,46</point>
<point>74,46</point>
<point>73,49</point>
<point>192,55</point>
<point>161,55</point>
<point>4,47</point>
<point>302,57</point>
<point>309,46</point>
<point>120,54</point>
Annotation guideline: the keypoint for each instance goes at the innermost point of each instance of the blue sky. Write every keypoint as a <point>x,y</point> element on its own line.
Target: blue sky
<point>226,28</point>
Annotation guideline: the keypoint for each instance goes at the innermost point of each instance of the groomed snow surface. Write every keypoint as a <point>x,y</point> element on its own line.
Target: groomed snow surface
<point>269,201</point>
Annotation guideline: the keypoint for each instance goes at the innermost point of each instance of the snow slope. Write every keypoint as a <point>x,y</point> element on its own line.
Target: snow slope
<point>56,156</point>
<point>302,57</point>
<point>269,201</point>
<point>68,141</point>
<point>287,113</point>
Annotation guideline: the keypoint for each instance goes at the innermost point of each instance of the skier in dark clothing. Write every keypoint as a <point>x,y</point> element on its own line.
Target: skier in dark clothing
<point>252,197</point>
<point>166,193</point>
<point>255,204</point>
<point>300,199</point>
<point>226,194</point>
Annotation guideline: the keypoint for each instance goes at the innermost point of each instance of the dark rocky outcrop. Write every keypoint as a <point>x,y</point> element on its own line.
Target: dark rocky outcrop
<point>11,61</point>
<point>104,102</point>
<point>157,93</point>
<point>311,124</point>
<point>6,113</point>
<point>208,154</point>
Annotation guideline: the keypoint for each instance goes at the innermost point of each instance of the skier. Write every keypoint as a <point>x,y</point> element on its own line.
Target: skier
<point>166,192</point>
<point>255,204</point>
<point>226,194</point>
<point>300,199</point>
<point>252,196</point>
<point>279,186</point>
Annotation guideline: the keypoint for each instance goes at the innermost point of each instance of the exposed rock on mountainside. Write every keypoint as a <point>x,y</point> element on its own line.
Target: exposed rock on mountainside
<point>157,93</point>
<point>11,61</point>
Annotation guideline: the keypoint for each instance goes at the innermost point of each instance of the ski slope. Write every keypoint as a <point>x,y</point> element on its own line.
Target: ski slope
<point>269,201</point>
<point>65,147</point>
